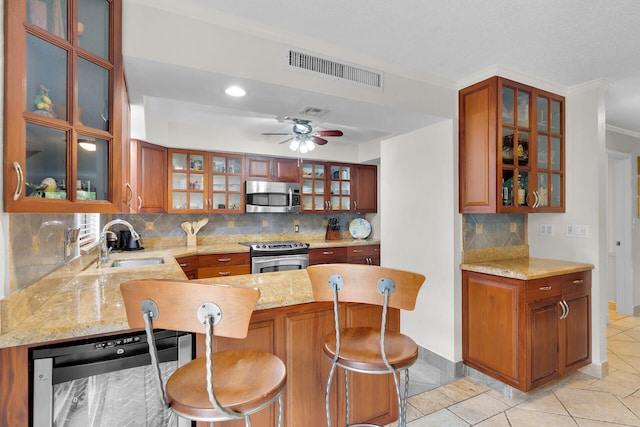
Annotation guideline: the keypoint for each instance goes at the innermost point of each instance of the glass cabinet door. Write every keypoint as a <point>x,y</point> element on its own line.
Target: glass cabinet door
<point>61,80</point>
<point>186,180</point>
<point>225,190</point>
<point>314,187</point>
<point>549,154</point>
<point>340,187</point>
<point>515,147</point>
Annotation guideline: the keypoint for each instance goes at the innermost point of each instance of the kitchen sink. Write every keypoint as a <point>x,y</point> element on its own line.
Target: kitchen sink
<point>136,262</point>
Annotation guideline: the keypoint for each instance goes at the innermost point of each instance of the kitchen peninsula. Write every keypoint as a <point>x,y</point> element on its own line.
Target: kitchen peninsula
<point>80,300</point>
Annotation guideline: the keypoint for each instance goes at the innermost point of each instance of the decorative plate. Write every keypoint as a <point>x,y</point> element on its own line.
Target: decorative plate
<point>360,228</point>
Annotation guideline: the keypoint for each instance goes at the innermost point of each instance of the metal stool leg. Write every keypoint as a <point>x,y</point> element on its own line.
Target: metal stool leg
<point>327,393</point>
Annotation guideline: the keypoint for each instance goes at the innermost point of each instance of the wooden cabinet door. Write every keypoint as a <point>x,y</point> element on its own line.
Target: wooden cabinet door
<point>308,369</point>
<point>543,329</point>
<point>365,188</point>
<point>151,172</point>
<point>575,350</point>
<point>272,169</point>
<point>493,326</point>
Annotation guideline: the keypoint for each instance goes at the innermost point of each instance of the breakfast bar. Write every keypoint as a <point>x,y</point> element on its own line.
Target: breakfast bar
<point>80,301</point>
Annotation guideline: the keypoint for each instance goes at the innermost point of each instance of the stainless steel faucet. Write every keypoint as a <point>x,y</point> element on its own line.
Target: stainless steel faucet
<point>103,250</point>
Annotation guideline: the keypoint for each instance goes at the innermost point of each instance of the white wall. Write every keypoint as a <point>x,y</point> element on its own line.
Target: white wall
<point>586,166</point>
<point>625,142</point>
<point>421,230</point>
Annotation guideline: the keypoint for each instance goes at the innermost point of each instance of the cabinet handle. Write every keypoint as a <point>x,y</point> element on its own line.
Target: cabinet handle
<point>185,264</point>
<point>224,273</point>
<point>327,253</point>
<point>139,202</point>
<point>355,205</point>
<point>545,288</point>
<point>537,201</point>
<point>19,185</point>
<point>128,201</point>
<point>224,259</point>
<point>567,309</point>
<point>369,260</point>
<point>578,282</point>
<point>357,251</point>
<point>564,311</point>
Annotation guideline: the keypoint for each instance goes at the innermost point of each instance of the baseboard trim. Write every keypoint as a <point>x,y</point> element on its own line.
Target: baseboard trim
<point>449,371</point>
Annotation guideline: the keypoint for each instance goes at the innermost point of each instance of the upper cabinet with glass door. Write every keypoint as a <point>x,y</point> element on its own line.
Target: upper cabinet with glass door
<point>511,156</point>
<point>63,101</point>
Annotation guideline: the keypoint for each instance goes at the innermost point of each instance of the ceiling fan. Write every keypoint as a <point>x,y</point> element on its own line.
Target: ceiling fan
<point>302,136</point>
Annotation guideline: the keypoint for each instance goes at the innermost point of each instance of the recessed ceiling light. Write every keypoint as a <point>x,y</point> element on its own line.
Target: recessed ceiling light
<point>235,91</point>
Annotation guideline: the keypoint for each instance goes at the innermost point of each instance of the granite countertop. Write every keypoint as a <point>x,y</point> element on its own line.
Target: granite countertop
<point>80,300</point>
<point>525,268</point>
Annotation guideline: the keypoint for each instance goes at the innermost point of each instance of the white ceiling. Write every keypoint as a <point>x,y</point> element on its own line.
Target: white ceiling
<point>563,42</point>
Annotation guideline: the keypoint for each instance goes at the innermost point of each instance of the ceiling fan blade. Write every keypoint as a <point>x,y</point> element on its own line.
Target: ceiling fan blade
<point>318,140</point>
<point>286,140</point>
<point>276,133</point>
<point>329,133</point>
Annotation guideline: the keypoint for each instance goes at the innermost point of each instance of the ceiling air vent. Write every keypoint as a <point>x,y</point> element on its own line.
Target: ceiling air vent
<point>329,67</point>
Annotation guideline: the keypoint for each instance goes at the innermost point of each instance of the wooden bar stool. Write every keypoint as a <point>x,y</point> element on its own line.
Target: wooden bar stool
<point>220,386</point>
<point>363,349</point>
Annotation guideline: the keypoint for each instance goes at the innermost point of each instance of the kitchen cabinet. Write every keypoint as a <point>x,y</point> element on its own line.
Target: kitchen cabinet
<point>365,254</point>
<point>64,107</point>
<point>338,187</point>
<point>223,264</point>
<point>205,182</point>
<point>295,334</point>
<point>365,188</point>
<point>189,265</point>
<point>327,255</point>
<point>526,332</point>
<point>272,169</point>
<point>512,148</point>
<point>149,166</point>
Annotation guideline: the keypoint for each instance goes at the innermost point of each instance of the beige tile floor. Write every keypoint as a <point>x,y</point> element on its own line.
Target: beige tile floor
<point>576,399</point>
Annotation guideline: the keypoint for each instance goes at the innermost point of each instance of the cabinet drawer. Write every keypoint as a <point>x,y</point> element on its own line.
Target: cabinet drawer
<point>327,255</point>
<point>576,283</point>
<point>366,250</point>
<point>544,288</point>
<point>223,260</point>
<point>230,270</point>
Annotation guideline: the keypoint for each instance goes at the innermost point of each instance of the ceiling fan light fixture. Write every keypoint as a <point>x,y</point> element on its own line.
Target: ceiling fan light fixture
<point>235,91</point>
<point>310,145</point>
<point>295,144</point>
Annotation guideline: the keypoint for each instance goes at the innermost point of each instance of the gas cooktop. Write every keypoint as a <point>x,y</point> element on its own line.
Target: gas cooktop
<point>276,245</point>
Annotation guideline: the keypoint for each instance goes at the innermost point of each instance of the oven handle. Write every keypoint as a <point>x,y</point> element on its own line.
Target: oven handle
<point>290,198</point>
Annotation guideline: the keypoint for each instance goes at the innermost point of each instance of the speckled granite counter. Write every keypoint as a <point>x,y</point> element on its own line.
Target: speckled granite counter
<point>525,268</point>
<point>81,300</point>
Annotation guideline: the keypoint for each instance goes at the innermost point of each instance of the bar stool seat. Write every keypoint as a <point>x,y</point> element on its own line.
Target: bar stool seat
<point>244,381</point>
<point>360,349</point>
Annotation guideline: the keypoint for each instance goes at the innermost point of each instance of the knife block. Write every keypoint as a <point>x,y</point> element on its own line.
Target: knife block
<point>332,233</point>
<point>191,240</point>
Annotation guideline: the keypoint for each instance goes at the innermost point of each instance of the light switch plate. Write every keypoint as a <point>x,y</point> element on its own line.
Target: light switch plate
<point>546,230</point>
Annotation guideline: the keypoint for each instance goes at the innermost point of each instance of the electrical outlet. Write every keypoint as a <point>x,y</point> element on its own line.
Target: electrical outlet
<point>546,230</point>
<point>577,230</point>
<point>478,228</point>
<point>296,228</point>
<point>265,222</point>
<point>513,227</point>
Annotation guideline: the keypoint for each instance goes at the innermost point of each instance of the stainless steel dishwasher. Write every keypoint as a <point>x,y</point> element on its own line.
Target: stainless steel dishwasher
<point>105,381</point>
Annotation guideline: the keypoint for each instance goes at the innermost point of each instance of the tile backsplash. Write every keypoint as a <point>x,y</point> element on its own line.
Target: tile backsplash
<point>37,240</point>
<point>492,231</point>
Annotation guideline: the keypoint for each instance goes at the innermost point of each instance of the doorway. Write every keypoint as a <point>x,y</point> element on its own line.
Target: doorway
<point>619,238</point>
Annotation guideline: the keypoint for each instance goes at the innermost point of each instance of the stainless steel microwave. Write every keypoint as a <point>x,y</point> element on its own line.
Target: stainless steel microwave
<point>272,197</point>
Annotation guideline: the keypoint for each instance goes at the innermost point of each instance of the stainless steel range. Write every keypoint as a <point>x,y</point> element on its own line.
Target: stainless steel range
<point>278,256</point>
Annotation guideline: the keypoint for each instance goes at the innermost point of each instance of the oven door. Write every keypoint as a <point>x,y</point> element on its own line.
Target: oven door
<point>268,264</point>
